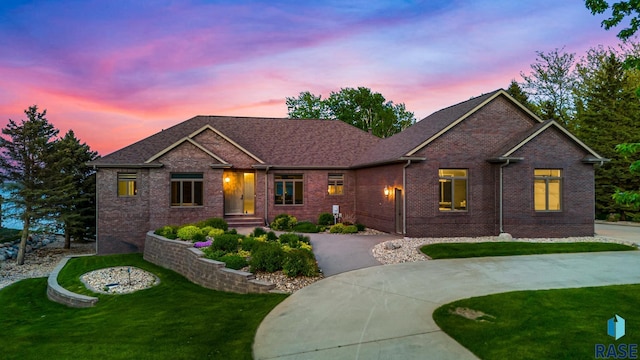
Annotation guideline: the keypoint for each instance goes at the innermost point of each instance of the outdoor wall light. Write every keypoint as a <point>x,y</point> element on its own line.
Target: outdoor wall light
<point>227,179</point>
<point>386,191</point>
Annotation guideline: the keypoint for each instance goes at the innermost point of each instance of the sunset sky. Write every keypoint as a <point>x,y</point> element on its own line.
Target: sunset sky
<point>116,71</point>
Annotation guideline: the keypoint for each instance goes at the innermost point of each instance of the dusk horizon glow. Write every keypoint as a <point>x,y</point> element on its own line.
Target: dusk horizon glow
<point>116,72</point>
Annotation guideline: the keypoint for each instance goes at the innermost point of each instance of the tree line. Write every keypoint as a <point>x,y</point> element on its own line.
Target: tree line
<point>48,183</point>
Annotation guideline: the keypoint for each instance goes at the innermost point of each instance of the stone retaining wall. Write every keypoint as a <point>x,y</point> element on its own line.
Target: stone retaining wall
<point>57,293</point>
<point>188,261</point>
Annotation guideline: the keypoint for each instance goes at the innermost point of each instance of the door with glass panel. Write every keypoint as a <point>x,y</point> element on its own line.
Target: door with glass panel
<point>239,193</point>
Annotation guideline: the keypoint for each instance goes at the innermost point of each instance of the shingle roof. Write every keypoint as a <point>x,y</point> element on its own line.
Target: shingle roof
<point>409,140</point>
<point>275,141</point>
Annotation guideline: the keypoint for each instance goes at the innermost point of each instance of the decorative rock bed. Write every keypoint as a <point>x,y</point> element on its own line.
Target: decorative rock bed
<point>119,280</point>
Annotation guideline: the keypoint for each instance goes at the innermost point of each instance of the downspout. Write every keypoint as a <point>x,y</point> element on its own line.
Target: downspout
<point>500,194</point>
<point>266,195</point>
<point>95,169</point>
<point>404,197</point>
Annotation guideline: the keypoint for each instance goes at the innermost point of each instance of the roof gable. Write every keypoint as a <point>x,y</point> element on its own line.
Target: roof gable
<point>180,142</point>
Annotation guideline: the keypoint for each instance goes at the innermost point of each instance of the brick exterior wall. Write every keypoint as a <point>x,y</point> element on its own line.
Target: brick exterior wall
<point>375,209</point>
<point>188,261</point>
<point>549,151</point>
<point>316,197</point>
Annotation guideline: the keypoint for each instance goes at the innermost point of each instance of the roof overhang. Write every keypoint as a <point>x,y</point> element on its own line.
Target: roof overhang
<point>504,160</point>
<point>401,159</point>
<point>127,166</point>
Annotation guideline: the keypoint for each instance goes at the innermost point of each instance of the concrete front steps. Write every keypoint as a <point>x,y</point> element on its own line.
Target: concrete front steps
<point>240,221</point>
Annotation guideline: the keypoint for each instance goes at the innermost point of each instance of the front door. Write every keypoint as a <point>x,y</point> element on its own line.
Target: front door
<point>239,193</point>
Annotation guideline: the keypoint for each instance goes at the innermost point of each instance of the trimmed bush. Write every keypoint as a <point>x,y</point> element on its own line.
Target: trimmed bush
<point>361,227</point>
<point>299,262</point>
<point>215,232</point>
<point>337,228</point>
<point>217,223</point>
<point>343,229</point>
<point>257,232</point>
<point>212,254</point>
<point>226,242</point>
<point>326,219</point>
<point>188,232</point>
<point>199,237</point>
<point>234,261</point>
<point>293,240</point>
<point>284,222</point>
<point>271,236</point>
<point>248,243</point>
<point>306,227</point>
<point>267,256</point>
<point>170,232</point>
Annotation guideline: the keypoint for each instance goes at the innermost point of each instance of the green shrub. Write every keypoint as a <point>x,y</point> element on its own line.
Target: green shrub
<point>212,254</point>
<point>350,229</point>
<point>226,242</point>
<point>248,243</point>
<point>215,232</point>
<point>284,222</point>
<point>271,236</point>
<point>343,229</point>
<point>234,261</point>
<point>294,240</point>
<point>258,232</point>
<point>361,227</point>
<point>170,232</point>
<point>197,237</point>
<point>306,227</point>
<point>299,262</point>
<point>188,232</point>
<point>217,223</point>
<point>326,219</point>
<point>337,228</point>
<point>267,256</point>
<point>232,232</point>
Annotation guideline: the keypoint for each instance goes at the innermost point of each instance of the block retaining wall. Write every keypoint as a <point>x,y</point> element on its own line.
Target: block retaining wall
<point>57,293</point>
<point>188,261</point>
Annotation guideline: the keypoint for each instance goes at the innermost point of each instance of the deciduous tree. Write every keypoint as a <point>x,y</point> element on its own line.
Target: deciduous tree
<point>359,107</point>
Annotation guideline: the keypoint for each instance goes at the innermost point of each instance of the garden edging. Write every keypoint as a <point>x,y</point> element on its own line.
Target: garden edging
<point>58,294</point>
<point>183,258</point>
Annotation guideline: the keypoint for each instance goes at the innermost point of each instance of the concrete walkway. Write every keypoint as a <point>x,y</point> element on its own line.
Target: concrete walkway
<point>385,312</point>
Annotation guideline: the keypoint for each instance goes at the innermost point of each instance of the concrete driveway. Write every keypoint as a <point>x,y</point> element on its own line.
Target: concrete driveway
<point>385,312</point>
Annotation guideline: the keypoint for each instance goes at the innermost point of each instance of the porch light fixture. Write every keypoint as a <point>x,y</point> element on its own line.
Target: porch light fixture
<point>227,179</point>
<point>386,191</point>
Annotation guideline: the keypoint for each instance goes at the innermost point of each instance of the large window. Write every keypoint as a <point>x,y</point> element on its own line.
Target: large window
<point>336,184</point>
<point>186,189</point>
<point>453,189</point>
<point>547,189</point>
<point>127,184</point>
<point>289,190</point>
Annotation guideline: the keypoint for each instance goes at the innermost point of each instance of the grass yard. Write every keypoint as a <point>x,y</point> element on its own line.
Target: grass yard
<point>467,250</point>
<point>549,324</point>
<point>174,320</point>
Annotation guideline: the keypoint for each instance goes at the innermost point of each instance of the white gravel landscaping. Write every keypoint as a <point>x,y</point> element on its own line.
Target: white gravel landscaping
<point>408,249</point>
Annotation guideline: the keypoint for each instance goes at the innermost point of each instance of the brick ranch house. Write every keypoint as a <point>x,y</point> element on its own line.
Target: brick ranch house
<point>482,167</point>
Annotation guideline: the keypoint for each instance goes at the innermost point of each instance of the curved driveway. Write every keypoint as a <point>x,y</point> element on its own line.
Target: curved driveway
<point>385,312</point>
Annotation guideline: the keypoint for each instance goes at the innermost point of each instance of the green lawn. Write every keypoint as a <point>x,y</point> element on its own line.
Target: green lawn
<point>549,324</point>
<point>467,250</point>
<point>174,320</point>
